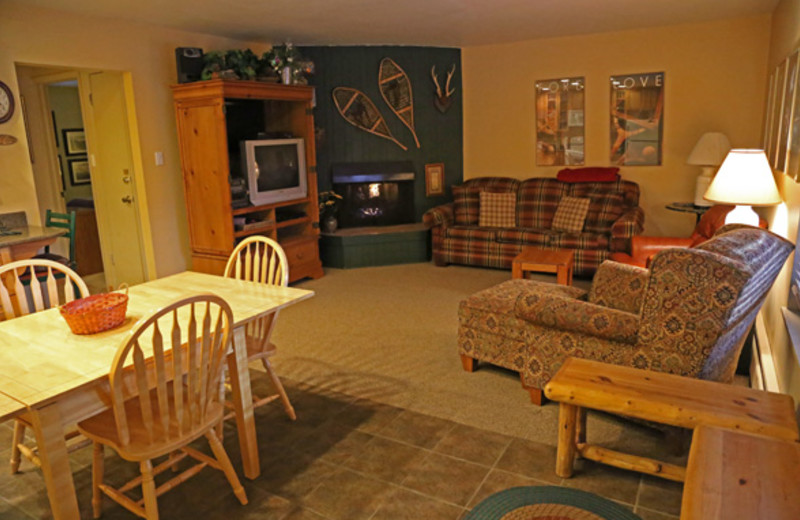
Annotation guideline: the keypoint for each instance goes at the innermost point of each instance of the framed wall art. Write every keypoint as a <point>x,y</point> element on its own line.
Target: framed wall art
<point>559,121</point>
<point>775,113</point>
<point>637,119</point>
<point>434,179</point>
<point>79,171</point>
<point>74,141</point>
<point>787,106</point>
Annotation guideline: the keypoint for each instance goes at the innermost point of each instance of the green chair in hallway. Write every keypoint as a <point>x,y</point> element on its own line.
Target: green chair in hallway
<point>65,221</point>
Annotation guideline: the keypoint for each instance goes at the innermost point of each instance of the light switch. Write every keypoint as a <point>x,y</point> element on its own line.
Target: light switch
<point>159,158</point>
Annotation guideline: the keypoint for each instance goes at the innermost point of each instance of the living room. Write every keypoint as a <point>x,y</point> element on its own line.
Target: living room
<point>716,71</point>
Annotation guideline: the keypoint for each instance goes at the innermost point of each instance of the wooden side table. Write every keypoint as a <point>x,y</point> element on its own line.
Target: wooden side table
<point>738,475</point>
<point>663,398</point>
<point>535,259</point>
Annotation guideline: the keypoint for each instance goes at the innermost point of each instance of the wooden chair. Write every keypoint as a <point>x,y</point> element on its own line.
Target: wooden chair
<point>21,294</point>
<point>160,405</point>
<point>64,221</point>
<point>261,259</point>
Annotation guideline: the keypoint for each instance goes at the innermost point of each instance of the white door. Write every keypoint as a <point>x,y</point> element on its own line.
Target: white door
<point>113,181</point>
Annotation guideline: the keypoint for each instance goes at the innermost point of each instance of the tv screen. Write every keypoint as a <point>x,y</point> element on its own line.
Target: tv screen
<point>275,170</point>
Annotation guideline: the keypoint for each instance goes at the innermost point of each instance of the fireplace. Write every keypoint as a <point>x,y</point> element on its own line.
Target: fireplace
<point>375,193</point>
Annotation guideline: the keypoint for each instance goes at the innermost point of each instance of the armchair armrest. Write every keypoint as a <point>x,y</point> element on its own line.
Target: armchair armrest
<point>619,286</point>
<point>440,216</point>
<point>644,247</point>
<point>557,311</point>
<point>626,226</point>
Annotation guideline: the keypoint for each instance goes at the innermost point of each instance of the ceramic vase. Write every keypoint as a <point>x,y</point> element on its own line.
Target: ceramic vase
<point>286,76</point>
<point>329,224</point>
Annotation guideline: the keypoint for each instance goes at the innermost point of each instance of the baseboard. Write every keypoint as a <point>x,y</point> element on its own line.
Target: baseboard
<point>763,374</point>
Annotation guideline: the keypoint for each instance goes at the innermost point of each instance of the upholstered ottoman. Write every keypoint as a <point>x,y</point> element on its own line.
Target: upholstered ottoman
<point>489,329</point>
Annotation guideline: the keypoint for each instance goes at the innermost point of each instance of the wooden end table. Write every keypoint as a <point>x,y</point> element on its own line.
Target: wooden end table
<point>738,475</point>
<point>535,259</point>
<point>663,398</point>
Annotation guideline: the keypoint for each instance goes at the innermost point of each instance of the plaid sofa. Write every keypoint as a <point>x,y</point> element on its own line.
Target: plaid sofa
<point>688,314</point>
<point>613,218</point>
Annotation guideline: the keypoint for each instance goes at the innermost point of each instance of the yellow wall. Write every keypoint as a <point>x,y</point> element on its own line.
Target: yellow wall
<point>36,36</point>
<point>714,81</point>
<point>784,38</point>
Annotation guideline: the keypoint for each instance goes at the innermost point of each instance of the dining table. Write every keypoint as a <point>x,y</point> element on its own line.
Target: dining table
<point>54,378</point>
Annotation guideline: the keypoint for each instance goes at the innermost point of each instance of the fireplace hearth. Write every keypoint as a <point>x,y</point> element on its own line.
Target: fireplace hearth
<point>374,193</point>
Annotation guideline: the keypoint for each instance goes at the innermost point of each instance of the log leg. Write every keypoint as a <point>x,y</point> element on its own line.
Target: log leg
<point>468,363</point>
<point>580,428</point>
<point>567,422</point>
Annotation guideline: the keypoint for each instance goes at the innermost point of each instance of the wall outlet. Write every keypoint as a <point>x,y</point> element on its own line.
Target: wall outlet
<point>159,158</point>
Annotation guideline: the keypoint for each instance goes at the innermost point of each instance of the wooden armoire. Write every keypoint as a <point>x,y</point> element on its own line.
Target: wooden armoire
<point>213,117</point>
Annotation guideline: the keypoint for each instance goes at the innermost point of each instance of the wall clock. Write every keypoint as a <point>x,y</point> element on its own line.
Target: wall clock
<point>6,103</point>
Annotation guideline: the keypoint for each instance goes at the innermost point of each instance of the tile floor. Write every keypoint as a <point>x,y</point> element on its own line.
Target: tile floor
<point>352,459</point>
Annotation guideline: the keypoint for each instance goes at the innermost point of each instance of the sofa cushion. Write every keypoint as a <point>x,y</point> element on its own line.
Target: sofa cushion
<point>571,214</point>
<point>537,202</point>
<point>528,237</point>
<point>473,233</point>
<point>604,210</point>
<point>589,174</point>
<point>584,240</point>
<point>497,209</point>
<point>466,206</point>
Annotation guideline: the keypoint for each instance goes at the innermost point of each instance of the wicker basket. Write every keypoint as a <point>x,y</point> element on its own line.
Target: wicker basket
<point>96,313</point>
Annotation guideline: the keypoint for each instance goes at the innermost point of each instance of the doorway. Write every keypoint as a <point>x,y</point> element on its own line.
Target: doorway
<point>83,139</point>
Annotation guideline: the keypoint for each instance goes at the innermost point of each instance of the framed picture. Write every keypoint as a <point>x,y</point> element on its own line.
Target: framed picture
<point>637,119</point>
<point>775,113</point>
<point>434,179</point>
<point>79,171</point>
<point>559,121</point>
<point>790,85</point>
<point>74,141</point>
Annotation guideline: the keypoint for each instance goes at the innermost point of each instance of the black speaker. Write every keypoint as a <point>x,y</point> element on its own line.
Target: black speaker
<point>189,61</point>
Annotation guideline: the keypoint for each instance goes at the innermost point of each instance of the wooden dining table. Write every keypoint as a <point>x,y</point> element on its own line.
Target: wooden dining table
<point>55,378</point>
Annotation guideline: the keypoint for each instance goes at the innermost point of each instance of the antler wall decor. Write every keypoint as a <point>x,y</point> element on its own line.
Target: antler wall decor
<point>443,100</point>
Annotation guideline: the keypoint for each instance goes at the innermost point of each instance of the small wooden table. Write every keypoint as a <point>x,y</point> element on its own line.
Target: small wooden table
<point>738,475</point>
<point>658,397</point>
<point>535,259</point>
<point>26,244</point>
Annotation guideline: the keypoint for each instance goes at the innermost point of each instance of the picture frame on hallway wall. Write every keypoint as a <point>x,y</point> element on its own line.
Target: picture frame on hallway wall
<point>74,141</point>
<point>434,179</point>
<point>637,119</point>
<point>79,171</point>
<point>774,116</point>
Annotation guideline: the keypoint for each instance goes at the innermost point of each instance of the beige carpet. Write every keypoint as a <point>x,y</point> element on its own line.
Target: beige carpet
<point>389,334</point>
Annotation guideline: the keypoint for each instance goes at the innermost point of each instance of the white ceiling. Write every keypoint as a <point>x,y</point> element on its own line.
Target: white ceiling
<point>446,23</point>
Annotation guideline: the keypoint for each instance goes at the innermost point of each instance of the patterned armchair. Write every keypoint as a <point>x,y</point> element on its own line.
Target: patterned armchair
<point>688,314</point>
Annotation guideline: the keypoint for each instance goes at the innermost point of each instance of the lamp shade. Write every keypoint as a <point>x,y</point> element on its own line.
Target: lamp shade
<point>745,178</point>
<point>710,150</point>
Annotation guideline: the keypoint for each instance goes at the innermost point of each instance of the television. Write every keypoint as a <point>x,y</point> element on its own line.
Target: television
<point>275,170</point>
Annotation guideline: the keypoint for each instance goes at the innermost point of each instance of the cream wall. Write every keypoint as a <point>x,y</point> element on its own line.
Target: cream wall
<point>714,81</point>
<point>36,36</point>
<point>784,38</point>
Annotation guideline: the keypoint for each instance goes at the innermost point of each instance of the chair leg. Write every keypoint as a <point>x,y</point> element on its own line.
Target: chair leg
<point>279,387</point>
<point>227,467</point>
<point>16,455</point>
<point>149,490</point>
<point>98,467</point>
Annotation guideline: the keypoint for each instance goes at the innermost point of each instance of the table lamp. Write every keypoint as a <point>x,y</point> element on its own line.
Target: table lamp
<point>744,179</point>
<point>709,152</point>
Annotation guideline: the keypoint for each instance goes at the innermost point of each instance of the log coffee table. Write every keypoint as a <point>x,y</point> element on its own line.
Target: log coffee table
<point>535,259</point>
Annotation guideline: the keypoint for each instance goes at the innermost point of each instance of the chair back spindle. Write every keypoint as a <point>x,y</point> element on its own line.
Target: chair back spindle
<point>35,285</point>
<point>176,388</point>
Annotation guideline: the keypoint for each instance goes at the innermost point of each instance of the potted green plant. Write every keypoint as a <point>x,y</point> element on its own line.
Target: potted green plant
<point>287,61</point>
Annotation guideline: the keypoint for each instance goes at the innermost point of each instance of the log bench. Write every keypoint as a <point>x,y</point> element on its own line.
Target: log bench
<point>661,398</point>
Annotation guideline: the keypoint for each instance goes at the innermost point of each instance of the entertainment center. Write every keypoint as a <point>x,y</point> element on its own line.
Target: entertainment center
<point>214,118</point>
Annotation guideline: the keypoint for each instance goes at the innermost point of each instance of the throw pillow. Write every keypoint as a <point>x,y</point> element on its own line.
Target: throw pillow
<point>570,214</point>
<point>604,210</point>
<point>498,210</point>
<point>466,203</point>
